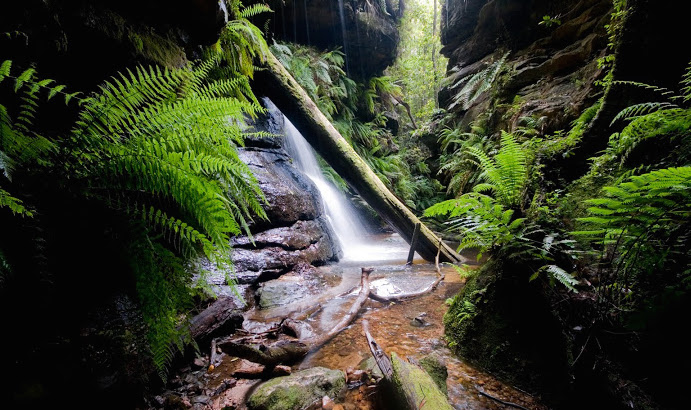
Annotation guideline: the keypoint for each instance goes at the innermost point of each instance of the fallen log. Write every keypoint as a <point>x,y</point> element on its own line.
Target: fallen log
<point>432,287</point>
<point>221,317</point>
<point>290,351</point>
<point>276,83</point>
<point>412,386</point>
<point>318,341</point>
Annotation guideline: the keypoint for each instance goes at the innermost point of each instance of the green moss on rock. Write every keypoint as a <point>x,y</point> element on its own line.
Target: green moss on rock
<point>434,366</point>
<point>502,323</point>
<point>416,386</point>
<point>299,390</point>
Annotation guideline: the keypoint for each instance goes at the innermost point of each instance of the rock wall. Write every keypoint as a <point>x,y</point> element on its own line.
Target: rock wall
<point>295,234</point>
<point>83,42</point>
<point>371,36</point>
<point>549,72</point>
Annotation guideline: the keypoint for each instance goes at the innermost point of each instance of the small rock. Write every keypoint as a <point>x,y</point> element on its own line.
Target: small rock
<point>201,399</point>
<point>200,362</point>
<point>282,370</point>
<point>327,403</point>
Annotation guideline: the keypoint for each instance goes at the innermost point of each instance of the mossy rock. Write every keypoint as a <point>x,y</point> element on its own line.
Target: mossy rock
<point>435,366</point>
<point>299,390</point>
<point>503,323</point>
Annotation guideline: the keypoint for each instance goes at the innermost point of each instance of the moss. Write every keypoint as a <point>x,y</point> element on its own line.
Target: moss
<point>140,40</point>
<point>510,330</point>
<point>416,386</point>
<point>435,367</point>
<point>297,391</point>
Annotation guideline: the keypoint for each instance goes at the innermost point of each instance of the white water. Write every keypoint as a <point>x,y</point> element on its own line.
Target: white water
<point>343,218</point>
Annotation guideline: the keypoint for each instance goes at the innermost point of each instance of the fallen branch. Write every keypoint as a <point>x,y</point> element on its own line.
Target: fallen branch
<point>318,341</point>
<point>287,351</point>
<point>432,287</point>
<point>505,403</point>
<point>380,356</point>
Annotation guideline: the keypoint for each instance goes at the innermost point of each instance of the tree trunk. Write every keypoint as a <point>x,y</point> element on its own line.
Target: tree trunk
<point>276,83</point>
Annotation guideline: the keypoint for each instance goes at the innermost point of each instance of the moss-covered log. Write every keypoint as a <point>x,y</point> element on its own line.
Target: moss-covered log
<point>277,84</point>
<point>412,384</point>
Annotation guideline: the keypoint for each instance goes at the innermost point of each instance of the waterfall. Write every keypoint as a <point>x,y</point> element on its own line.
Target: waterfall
<point>339,212</point>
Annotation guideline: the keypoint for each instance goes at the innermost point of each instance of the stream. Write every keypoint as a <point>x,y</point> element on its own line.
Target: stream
<point>394,326</point>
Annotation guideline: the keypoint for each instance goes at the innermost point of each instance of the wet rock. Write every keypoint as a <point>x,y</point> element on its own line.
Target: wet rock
<point>200,362</point>
<point>175,402</point>
<point>327,403</point>
<point>201,399</point>
<point>299,390</point>
<point>420,320</point>
<point>435,366</point>
<point>290,288</point>
<point>549,73</point>
<point>370,366</point>
<point>371,38</point>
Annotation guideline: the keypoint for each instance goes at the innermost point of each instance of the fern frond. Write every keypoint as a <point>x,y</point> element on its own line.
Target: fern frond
<point>560,275</point>
<point>639,110</point>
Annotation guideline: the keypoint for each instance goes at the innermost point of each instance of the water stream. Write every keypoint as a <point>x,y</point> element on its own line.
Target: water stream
<point>411,329</point>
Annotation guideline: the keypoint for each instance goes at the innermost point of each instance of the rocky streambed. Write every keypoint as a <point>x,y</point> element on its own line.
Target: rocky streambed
<point>341,374</point>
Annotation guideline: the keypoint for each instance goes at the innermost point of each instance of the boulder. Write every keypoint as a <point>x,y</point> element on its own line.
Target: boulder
<point>435,366</point>
<point>299,390</point>
<point>290,287</point>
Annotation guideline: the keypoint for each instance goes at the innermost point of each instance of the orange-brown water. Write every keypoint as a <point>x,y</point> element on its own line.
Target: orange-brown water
<point>392,326</point>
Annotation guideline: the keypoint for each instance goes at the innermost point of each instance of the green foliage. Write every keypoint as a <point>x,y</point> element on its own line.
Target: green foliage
<point>154,148</point>
<point>614,29</point>
<point>485,222</point>
<point>557,274</point>
<point>471,87</point>
<point>241,42</point>
<point>560,144</point>
<point>505,174</point>
<point>457,165</point>
<point>322,76</point>
<point>646,217</point>
<point>549,21</point>
<point>419,66</point>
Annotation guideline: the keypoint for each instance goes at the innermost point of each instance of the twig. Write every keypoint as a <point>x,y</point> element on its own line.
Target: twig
<point>505,403</point>
<point>582,349</point>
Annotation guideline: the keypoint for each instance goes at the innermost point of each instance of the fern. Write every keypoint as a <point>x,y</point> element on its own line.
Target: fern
<point>558,274</point>
<point>643,221</point>
<point>473,86</point>
<point>505,173</point>
<point>156,148</point>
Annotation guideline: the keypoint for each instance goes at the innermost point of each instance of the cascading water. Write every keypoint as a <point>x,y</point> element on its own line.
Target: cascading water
<point>341,215</point>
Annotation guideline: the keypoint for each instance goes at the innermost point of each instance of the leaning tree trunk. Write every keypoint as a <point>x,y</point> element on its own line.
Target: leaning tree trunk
<point>276,83</point>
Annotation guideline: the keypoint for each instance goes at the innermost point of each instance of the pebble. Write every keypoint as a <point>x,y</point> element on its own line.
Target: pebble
<point>327,403</point>
<point>201,399</point>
